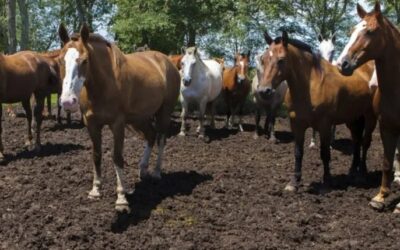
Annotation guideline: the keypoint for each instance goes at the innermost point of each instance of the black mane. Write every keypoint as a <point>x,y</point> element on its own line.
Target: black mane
<point>297,43</point>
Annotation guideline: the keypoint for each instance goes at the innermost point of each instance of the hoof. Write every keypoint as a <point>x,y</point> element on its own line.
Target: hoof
<point>121,208</point>
<point>397,209</point>
<point>312,145</point>
<point>377,205</point>
<point>255,136</point>
<point>324,189</point>
<point>273,140</point>
<point>94,194</point>
<point>37,148</point>
<point>182,134</point>
<point>397,180</point>
<point>241,128</point>
<point>156,175</point>
<point>144,173</point>
<point>291,188</point>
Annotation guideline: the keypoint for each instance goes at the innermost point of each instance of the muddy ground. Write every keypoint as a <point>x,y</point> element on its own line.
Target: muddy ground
<point>227,194</point>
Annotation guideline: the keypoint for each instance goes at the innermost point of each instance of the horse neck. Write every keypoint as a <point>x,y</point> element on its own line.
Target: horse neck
<point>299,78</point>
<point>387,66</point>
<point>199,68</point>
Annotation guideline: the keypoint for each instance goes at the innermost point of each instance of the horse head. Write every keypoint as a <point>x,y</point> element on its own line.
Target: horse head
<point>188,62</point>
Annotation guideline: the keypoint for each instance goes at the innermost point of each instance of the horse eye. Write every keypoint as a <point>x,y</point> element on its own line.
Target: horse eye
<point>281,61</point>
<point>370,32</point>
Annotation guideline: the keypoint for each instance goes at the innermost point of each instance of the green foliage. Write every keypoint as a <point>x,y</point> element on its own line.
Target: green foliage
<point>3,26</point>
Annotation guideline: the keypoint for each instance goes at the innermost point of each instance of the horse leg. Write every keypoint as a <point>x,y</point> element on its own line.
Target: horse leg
<point>370,124</point>
<point>257,120</point>
<point>95,136</point>
<point>1,132</point>
<point>183,117</point>
<point>150,136</point>
<point>397,164</point>
<point>212,116</point>
<point>325,153</point>
<point>58,109</point>
<point>48,104</point>
<point>313,139</point>
<point>26,104</point>
<point>298,132</point>
<point>118,130</point>
<point>356,129</point>
<point>389,140</point>
<point>38,114</point>
<point>333,134</point>
<point>10,111</point>
<point>240,114</point>
<point>202,110</point>
<point>271,128</point>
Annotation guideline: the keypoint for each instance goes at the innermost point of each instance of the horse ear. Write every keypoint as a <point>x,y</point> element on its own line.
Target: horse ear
<point>361,12</point>
<point>333,38</point>
<point>285,38</point>
<point>267,38</point>
<point>320,38</point>
<point>85,33</point>
<point>377,7</point>
<point>183,50</point>
<point>63,34</point>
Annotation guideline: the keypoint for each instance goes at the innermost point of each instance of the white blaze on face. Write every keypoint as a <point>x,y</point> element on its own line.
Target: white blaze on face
<point>188,62</point>
<point>353,38</point>
<point>72,82</point>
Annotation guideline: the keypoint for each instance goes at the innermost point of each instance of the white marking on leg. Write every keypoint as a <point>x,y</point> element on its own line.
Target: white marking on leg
<point>144,162</point>
<point>396,165</point>
<point>95,192</point>
<point>121,203</point>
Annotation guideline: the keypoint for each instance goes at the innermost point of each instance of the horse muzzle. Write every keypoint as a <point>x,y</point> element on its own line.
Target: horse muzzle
<point>265,92</point>
<point>70,104</point>
<point>186,82</point>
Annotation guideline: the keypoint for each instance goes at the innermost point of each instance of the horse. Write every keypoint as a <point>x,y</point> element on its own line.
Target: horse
<point>22,75</point>
<point>235,88</point>
<point>201,85</point>
<point>376,38</point>
<point>319,97</point>
<point>52,57</point>
<point>326,48</point>
<point>112,88</point>
<point>270,104</point>
<point>176,60</point>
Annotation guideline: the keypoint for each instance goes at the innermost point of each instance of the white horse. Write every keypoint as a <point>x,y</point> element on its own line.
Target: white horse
<point>270,104</point>
<point>201,85</point>
<point>327,50</point>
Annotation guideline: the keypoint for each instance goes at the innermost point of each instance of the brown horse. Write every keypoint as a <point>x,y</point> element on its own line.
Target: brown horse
<point>236,88</point>
<point>376,38</point>
<point>176,60</point>
<point>319,97</point>
<point>22,75</point>
<point>116,89</point>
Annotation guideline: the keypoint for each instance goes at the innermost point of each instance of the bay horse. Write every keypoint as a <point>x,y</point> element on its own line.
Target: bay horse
<point>236,88</point>
<point>376,38</point>
<point>22,75</point>
<point>319,97</point>
<point>201,85</point>
<point>116,89</point>
<point>270,104</point>
<point>326,48</point>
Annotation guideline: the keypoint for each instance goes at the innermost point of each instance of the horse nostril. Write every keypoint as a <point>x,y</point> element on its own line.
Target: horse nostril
<point>74,100</point>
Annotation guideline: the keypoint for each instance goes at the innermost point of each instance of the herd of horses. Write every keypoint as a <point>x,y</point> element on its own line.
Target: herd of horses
<point>140,91</point>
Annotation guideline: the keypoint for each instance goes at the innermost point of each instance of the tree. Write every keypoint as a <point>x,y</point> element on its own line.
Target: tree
<point>3,26</point>
<point>23,10</point>
<point>12,31</point>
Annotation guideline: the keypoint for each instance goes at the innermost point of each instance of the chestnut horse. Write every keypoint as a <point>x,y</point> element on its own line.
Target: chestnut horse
<point>176,60</point>
<point>115,89</point>
<point>376,38</point>
<point>22,75</point>
<point>236,88</point>
<point>319,97</point>
<point>270,103</point>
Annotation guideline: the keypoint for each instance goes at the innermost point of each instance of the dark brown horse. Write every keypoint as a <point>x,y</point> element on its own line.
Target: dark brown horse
<point>116,89</point>
<point>319,97</point>
<point>236,88</point>
<point>22,75</point>
<point>376,38</point>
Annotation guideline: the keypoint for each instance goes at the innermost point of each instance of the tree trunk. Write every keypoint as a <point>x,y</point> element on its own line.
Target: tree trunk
<point>3,27</point>
<point>81,12</point>
<point>192,37</point>
<point>23,10</point>
<point>12,32</point>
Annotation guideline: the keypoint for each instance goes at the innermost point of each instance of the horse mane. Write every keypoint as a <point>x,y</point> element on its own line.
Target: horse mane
<point>51,54</point>
<point>391,25</point>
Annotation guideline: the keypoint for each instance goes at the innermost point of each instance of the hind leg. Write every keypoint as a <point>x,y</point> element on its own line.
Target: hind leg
<point>38,115</point>
<point>202,110</point>
<point>26,104</point>
<point>356,129</point>
<point>1,133</point>
<point>370,124</point>
<point>149,133</point>
<point>396,164</point>
<point>325,153</point>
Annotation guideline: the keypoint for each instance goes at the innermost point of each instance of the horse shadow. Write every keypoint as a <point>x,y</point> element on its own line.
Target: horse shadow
<point>284,136</point>
<point>345,146</point>
<point>343,182</point>
<point>59,127</point>
<point>148,195</point>
<point>48,149</point>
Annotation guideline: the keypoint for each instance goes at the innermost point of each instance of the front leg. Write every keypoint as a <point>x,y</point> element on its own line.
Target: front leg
<point>94,130</point>
<point>183,117</point>
<point>118,130</point>
<point>298,131</point>
<point>257,122</point>
<point>38,113</point>
<point>325,153</point>
<point>202,110</point>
